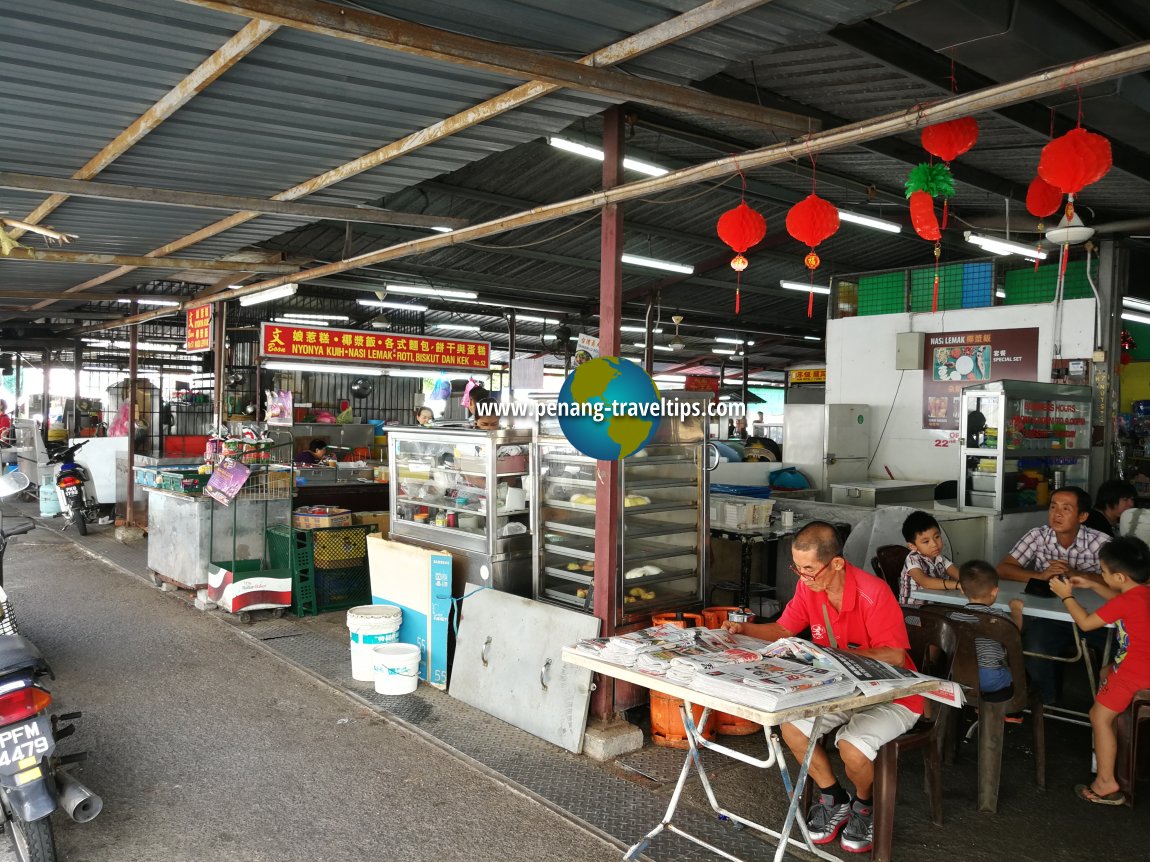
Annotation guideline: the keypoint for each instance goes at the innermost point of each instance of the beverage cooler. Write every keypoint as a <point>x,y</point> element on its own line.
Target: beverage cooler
<point>466,491</point>
<point>663,531</point>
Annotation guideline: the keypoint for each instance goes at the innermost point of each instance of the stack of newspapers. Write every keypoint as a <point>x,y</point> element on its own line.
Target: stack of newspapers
<point>773,684</point>
<point>625,649</point>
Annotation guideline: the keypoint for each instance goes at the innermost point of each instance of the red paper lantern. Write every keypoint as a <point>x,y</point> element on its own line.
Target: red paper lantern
<point>1075,160</point>
<point>741,228</point>
<point>812,220</point>
<point>922,216</point>
<point>949,140</point>
<point>1042,199</point>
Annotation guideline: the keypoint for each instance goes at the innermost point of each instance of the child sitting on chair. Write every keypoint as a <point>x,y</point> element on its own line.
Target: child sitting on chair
<point>925,565</point>
<point>979,581</point>
<point>1125,571</point>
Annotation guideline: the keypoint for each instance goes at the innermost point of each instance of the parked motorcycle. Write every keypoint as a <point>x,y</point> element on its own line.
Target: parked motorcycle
<point>75,488</point>
<point>33,781</point>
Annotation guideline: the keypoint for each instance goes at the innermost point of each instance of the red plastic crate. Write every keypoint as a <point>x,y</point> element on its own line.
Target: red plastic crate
<point>182,445</point>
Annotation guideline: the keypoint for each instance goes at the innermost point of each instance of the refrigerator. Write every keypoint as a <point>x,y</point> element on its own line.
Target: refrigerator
<point>829,443</point>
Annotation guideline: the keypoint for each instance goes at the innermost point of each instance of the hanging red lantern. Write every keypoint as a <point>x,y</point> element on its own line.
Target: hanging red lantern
<point>811,221</point>
<point>1075,160</point>
<point>949,140</point>
<point>1042,199</point>
<point>741,228</point>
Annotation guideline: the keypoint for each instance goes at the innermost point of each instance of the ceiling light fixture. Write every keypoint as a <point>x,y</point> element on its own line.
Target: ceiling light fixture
<point>1136,304</point>
<point>466,327</point>
<point>655,263</point>
<point>726,351</point>
<point>1004,246</point>
<point>339,318</point>
<point>530,318</point>
<point>162,303</point>
<point>669,378</point>
<point>811,338</point>
<point>723,340</point>
<point>655,331</point>
<point>441,229</point>
<point>1135,318</point>
<point>597,154</point>
<point>870,221</point>
<point>318,367</point>
<point>804,287</point>
<point>663,347</point>
<point>1000,293</point>
<point>281,292</point>
<point>399,306</point>
<point>416,290</point>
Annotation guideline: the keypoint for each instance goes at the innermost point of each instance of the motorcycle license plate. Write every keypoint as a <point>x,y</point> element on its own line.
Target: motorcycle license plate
<point>30,739</point>
<point>71,492</point>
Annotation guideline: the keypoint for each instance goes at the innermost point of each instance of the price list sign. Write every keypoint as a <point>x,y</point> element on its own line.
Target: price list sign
<point>198,334</point>
<point>285,341</point>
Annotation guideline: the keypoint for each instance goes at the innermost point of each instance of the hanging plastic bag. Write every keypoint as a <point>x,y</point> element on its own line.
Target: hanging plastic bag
<point>441,391</point>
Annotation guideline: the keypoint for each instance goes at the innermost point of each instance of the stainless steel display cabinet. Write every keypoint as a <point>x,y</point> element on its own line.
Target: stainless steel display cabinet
<point>1018,435</point>
<point>663,529</point>
<point>466,491</point>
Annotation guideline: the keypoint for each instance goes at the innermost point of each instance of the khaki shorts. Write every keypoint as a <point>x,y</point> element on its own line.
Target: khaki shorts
<point>867,729</point>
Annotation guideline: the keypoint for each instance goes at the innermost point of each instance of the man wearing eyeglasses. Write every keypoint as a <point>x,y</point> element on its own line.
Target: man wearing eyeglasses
<point>847,608</point>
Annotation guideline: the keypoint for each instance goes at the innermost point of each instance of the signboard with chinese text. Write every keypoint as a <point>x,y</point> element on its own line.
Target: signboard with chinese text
<point>807,375</point>
<point>954,360</point>
<point>198,334</point>
<point>288,341</point>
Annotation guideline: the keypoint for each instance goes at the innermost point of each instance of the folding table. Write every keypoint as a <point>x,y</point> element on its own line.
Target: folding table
<point>768,720</point>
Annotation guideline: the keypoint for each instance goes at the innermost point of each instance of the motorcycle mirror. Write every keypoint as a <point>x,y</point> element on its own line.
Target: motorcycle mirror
<point>12,483</point>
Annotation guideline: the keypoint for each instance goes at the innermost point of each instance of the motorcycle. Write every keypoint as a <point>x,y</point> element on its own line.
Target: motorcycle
<point>75,488</point>
<point>33,780</point>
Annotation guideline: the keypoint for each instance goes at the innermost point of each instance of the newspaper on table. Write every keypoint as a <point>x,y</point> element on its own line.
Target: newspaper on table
<point>774,684</point>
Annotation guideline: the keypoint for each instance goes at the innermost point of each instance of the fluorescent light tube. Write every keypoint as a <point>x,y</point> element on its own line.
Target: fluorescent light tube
<point>162,303</point>
<point>466,327</point>
<point>722,340</point>
<point>654,263</point>
<point>655,331</point>
<point>597,154</point>
<point>399,306</point>
<point>416,290</point>
<point>547,336</point>
<point>339,318</point>
<point>281,292</point>
<point>811,338</point>
<point>1136,318</point>
<point>669,378</point>
<point>1002,246</point>
<point>441,229</point>
<point>724,350</point>
<point>653,346</point>
<point>529,318</point>
<point>870,221</point>
<point>1001,294</point>
<point>1136,304</point>
<point>359,370</point>
<point>805,288</point>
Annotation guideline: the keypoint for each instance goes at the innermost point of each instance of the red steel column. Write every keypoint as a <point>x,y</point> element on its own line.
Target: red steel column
<point>608,506</point>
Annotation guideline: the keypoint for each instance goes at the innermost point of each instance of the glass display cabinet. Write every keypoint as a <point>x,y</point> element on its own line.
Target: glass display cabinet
<point>1021,441</point>
<point>466,491</point>
<point>663,544</point>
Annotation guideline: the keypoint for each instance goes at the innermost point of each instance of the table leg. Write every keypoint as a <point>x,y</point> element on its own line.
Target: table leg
<point>795,792</point>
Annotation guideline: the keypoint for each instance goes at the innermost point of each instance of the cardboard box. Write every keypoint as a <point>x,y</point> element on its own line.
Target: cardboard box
<point>417,581</point>
<point>310,517</point>
<point>381,520</point>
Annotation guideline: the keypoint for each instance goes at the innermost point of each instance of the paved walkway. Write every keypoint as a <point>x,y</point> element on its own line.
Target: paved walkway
<point>620,800</point>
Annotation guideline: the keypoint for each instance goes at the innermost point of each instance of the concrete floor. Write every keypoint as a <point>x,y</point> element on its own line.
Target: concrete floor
<point>205,747</point>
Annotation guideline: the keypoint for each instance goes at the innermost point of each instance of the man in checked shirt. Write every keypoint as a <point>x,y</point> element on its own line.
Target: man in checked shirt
<point>1064,547</point>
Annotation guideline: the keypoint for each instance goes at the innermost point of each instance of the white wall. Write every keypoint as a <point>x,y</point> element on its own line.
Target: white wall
<point>860,370</point>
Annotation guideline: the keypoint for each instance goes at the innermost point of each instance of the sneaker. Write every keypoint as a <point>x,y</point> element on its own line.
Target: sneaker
<point>825,819</point>
<point>858,835</point>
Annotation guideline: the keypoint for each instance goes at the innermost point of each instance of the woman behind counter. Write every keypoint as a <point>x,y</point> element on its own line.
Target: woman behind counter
<point>313,454</point>
<point>424,416</point>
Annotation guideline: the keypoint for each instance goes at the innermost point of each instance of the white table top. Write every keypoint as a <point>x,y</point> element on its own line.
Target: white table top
<point>661,684</point>
<point>1051,608</point>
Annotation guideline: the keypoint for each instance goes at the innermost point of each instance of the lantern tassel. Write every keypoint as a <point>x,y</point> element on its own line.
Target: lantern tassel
<point>738,287</point>
<point>810,305</point>
<point>937,255</point>
<point>945,212</point>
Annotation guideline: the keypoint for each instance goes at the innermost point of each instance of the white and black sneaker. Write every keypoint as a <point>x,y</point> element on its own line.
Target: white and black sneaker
<point>826,818</point>
<point>858,835</point>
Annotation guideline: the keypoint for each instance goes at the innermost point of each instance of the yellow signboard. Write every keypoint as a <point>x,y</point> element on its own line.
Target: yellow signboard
<point>807,375</point>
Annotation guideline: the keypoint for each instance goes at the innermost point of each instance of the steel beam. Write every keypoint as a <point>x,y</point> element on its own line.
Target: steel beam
<point>227,55</point>
<point>371,28</point>
<point>231,203</point>
<point>628,48</point>
<point>37,255</point>
<point>1130,60</point>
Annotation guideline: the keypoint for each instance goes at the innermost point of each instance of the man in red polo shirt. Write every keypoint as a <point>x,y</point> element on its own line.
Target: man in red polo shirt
<point>865,618</point>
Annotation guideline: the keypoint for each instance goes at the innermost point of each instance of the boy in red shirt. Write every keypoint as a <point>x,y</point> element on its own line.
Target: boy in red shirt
<point>1125,572</point>
<point>843,605</point>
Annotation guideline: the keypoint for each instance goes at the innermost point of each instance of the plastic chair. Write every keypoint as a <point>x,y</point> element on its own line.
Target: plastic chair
<point>932,644</point>
<point>888,562</point>
<point>992,714</point>
<point>1129,733</point>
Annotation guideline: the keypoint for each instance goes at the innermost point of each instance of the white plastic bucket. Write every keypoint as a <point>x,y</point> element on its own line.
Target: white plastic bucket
<point>396,668</point>
<point>371,626</point>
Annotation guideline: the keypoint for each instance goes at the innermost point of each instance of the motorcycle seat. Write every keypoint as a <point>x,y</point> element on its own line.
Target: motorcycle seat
<point>18,653</point>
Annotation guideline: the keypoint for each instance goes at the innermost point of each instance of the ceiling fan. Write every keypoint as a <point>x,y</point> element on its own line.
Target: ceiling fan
<point>676,343</point>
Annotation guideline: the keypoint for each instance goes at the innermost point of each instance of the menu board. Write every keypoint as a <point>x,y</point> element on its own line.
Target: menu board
<point>954,360</point>
<point>288,341</point>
